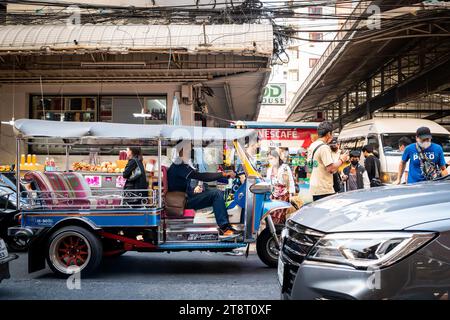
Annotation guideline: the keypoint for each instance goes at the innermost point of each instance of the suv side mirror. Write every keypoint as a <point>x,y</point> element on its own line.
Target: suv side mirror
<point>261,188</point>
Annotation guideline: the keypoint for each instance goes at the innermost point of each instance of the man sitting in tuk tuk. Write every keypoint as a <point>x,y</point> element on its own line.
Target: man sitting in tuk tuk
<point>179,178</point>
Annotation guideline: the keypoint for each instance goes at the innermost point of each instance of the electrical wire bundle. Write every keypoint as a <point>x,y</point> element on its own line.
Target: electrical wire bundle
<point>281,14</point>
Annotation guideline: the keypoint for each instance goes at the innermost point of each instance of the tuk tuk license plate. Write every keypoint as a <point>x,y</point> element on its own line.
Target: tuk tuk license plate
<point>280,272</point>
<point>3,250</point>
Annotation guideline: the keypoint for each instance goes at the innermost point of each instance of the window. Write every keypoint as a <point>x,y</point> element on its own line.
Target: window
<point>312,62</point>
<point>372,139</point>
<point>294,52</point>
<point>316,36</point>
<point>285,75</point>
<point>391,148</point>
<point>57,108</point>
<point>110,108</point>
<point>121,109</point>
<point>293,75</point>
<point>352,143</point>
<point>157,107</point>
<point>314,12</point>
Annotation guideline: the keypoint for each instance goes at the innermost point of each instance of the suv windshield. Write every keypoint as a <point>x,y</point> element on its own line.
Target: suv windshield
<point>390,142</point>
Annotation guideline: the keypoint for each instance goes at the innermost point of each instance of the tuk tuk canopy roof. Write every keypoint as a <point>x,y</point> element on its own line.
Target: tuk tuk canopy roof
<point>30,128</point>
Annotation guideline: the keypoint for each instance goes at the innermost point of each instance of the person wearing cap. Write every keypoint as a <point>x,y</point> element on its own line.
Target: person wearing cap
<point>426,159</point>
<point>334,146</point>
<point>355,175</point>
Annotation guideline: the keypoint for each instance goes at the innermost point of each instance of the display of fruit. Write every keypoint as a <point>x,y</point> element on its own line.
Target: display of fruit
<point>81,166</point>
<point>5,168</point>
<point>121,163</point>
<point>105,167</point>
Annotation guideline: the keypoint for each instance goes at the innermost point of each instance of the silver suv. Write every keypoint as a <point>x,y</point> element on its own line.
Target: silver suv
<point>383,243</point>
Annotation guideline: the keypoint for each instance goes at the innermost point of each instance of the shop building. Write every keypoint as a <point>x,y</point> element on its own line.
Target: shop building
<point>113,72</point>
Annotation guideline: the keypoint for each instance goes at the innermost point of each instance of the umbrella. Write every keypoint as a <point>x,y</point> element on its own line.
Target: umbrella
<point>175,118</point>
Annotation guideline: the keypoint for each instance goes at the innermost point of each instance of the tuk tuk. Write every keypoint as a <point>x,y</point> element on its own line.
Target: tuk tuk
<point>72,225</point>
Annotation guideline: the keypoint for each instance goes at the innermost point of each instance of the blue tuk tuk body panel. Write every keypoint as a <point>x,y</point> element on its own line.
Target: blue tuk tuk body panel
<point>98,218</point>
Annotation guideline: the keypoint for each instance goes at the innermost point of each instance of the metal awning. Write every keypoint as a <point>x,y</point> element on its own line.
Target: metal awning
<point>29,128</point>
<point>357,53</point>
<point>252,39</point>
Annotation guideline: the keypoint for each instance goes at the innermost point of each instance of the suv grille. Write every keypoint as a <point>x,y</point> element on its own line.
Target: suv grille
<point>296,245</point>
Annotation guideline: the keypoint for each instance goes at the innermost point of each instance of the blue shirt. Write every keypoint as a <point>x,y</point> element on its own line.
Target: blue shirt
<point>433,152</point>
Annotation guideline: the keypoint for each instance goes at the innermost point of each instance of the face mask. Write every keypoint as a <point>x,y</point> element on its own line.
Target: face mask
<point>334,148</point>
<point>425,144</point>
<point>354,162</point>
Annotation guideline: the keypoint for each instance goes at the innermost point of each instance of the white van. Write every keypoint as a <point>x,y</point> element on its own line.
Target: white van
<point>384,133</point>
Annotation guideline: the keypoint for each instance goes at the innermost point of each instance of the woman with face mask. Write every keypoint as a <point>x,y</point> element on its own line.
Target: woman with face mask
<point>279,172</point>
<point>280,176</point>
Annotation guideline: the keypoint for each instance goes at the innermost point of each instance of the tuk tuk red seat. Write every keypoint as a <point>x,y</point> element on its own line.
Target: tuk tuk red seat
<point>68,190</point>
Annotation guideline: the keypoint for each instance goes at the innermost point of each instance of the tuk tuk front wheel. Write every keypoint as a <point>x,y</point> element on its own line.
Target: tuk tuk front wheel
<point>267,248</point>
<point>73,249</point>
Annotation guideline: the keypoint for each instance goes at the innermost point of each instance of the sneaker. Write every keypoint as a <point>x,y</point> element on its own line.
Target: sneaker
<point>228,233</point>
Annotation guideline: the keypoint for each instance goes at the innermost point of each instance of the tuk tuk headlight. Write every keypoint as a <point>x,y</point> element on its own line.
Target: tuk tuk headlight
<point>368,249</point>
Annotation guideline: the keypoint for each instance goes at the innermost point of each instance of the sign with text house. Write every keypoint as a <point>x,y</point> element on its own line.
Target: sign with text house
<point>274,94</point>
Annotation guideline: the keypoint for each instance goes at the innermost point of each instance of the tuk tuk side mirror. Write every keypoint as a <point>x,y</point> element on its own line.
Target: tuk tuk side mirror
<point>261,188</point>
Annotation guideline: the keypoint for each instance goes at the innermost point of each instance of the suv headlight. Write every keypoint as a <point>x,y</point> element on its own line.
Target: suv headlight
<point>368,249</point>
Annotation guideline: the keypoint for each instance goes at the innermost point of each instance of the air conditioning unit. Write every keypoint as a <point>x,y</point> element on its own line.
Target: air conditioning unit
<point>186,94</point>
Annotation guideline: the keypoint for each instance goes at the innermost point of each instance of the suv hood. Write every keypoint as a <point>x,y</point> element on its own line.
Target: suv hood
<point>379,209</point>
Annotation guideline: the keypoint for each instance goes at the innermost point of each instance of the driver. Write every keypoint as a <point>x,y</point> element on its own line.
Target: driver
<point>179,178</point>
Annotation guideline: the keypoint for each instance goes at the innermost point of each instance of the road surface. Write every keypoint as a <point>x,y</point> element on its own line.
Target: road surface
<point>181,275</point>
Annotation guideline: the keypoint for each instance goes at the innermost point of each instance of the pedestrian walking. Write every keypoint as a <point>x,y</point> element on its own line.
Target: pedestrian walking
<point>426,159</point>
<point>355,175</point>
<point>322,166</point>
<point>372,164</point>
<point>338,184</point>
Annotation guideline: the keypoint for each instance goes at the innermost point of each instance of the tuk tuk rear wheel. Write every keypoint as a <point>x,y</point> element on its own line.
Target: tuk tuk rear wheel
<point>266,246</point>
<point>73,249</point>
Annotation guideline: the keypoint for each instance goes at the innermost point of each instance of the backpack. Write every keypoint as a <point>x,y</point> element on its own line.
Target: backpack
<point>430,170</point>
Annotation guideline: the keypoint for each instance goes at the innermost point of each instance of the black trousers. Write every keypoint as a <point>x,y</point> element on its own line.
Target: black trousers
<point>214,198</point>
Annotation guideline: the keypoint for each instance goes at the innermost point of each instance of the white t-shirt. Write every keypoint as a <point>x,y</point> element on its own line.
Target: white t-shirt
<point>321,181</point>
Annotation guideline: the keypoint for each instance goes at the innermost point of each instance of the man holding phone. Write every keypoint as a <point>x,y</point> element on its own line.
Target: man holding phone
<point>321,163</point>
